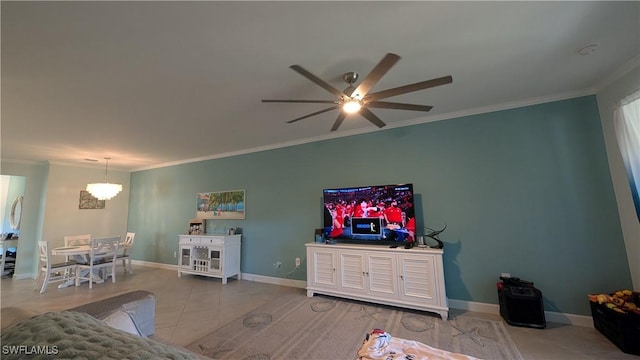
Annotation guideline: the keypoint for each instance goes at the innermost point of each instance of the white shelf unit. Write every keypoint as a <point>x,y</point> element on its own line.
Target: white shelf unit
<point>410,278</point>
<point>210,255</point>
<point>8,263</point>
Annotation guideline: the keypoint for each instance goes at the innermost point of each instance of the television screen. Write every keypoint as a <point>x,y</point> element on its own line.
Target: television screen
<point>377,214</point>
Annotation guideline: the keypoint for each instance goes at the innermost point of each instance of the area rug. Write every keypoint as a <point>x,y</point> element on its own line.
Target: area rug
<point>298,327</point>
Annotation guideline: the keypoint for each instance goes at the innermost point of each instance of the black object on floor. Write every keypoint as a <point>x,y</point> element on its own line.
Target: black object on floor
<point>621,329</point>
<point>521,303</point>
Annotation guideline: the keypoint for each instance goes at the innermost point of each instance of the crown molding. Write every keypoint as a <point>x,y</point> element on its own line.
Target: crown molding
<point>618,73</point>
<point>422,120</point>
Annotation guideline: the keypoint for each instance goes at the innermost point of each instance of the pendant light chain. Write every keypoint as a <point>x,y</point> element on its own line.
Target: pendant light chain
<point>106,167</point>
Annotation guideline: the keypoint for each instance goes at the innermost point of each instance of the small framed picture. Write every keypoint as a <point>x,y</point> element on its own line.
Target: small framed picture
<point>221,205</point>
<point>88,201</point>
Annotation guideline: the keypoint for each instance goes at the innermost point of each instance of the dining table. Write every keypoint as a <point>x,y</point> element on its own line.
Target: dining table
<point>80,254</point>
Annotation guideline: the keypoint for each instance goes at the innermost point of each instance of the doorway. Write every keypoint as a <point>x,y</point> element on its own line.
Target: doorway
<point>11,198</point>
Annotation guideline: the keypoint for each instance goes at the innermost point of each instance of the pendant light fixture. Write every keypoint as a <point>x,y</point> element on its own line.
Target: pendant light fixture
<point>105,190</point>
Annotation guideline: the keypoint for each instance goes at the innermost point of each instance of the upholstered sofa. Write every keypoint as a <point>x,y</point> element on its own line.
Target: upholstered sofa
<point>115,328</point>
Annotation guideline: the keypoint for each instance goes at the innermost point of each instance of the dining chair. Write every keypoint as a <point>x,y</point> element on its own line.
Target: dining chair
<point>124,252</point>
<point>74,240</point>
<point>102,255</point>
<point>52,272</point>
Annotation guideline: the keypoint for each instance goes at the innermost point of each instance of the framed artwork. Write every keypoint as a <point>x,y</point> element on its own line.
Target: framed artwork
<point>88,201</point>
<point>221,205</point>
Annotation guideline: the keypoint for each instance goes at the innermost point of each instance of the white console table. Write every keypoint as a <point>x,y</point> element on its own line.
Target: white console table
<point>410,278</point>
<point>210,255</point>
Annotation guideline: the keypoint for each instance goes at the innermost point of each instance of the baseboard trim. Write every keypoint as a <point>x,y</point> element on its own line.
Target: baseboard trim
<point>474,306</point>
<point>245,276</point>
<point>155,265</point>
<point>23,276</point>
<point>551,316</point>
<point>571,319</point>
<point>274,280</point>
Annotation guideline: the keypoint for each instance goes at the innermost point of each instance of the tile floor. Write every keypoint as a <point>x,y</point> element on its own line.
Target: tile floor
<point>190,307</point>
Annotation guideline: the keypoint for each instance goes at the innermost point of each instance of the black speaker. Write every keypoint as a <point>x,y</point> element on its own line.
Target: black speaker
<point>521,304</point>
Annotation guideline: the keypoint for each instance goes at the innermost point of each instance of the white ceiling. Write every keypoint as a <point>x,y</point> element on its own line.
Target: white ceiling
<point>154,83</point>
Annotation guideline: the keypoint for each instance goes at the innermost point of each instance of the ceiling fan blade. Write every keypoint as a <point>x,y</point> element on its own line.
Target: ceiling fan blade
<point>339,120</point>
<point>371,117</point>
<point>302,101</point>
<point>315,113</point>
<point>411,87</point>
<point>399,106</point>
<point>375,75</point>
<point>316,80</point>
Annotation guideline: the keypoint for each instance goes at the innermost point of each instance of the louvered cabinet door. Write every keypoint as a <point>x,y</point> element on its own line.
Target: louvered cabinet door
<point>418,279</point>
<point>323,268</point>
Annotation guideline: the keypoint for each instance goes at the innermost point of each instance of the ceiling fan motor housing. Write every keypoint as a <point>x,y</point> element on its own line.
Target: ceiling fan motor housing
<point>350,77</point>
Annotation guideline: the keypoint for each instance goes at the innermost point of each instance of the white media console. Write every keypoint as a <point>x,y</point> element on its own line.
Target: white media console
<point>410,278</point>
<point>210,255</point>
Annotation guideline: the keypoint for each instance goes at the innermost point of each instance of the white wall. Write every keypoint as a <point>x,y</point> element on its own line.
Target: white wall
<point>62,215</point>
<point>32,213</point>
<point>608,96</point>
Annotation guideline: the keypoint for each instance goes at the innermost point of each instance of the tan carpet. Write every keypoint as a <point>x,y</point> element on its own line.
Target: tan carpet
<point>297,327</point>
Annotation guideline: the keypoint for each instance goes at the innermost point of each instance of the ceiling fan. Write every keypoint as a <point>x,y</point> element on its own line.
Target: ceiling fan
<point>359,99</point>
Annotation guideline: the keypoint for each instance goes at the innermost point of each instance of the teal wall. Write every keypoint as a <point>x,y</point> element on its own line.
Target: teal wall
<point>35,190</point>
<point>525,191</point>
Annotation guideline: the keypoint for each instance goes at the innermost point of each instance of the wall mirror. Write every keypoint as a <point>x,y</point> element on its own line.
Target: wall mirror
<point>16,213</point>
<point>12,190</point>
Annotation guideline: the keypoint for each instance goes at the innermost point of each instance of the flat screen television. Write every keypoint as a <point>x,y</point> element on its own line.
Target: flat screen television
<point>380,214</point>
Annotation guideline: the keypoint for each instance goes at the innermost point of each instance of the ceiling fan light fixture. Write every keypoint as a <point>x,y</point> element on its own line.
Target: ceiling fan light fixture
<point>351,106</point>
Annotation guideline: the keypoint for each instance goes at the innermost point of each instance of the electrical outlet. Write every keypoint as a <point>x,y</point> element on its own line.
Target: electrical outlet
<point>175,254</point>
<point>297,263</point>
<point>277,264</point>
